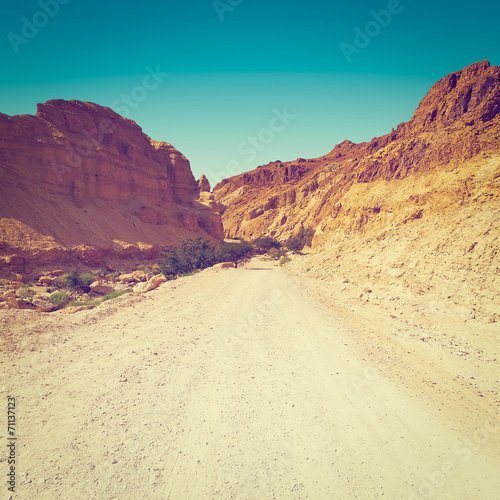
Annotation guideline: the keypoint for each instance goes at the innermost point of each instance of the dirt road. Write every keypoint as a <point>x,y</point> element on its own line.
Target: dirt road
<point>235,384</point>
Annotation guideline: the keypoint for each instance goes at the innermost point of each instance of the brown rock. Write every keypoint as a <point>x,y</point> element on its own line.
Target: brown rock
<point>100,288</point>
<point>153,283</point>
<point>226,265</point>
<point>43,304</point>
<point>457,122</point>
<point>139,276</point>
<point>10,299</point>
<point>204,185</point>
<point>88,156</point>
<point>46,280</point>
<point>126,278</point>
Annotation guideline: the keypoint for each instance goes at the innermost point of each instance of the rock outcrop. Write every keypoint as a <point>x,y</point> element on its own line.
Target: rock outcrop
<point>431,187</point>
<point>80,183</point>
<point>457,123</point>
<point>204,185</point>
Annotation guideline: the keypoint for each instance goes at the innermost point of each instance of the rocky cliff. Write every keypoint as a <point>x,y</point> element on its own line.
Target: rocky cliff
<point>420,203</point>
<point>80,183</point>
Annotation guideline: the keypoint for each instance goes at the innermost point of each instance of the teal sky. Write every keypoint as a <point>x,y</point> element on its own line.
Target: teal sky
<point>228,68</point>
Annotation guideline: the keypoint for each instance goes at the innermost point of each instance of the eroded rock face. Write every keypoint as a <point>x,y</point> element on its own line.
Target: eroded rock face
<point>204,185</point>
<point>397,178</point>
<point>76,178</point>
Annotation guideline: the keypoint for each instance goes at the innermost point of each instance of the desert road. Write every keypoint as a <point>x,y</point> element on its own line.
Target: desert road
<point>232,384</point>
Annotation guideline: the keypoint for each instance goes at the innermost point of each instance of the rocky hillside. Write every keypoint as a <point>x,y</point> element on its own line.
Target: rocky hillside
<point>81,184</point>
<point>420,204</point>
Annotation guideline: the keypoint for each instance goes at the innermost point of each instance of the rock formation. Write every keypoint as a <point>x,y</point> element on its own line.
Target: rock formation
<point>204,185</point>
<point>431,185</point>
<point>80,183</point>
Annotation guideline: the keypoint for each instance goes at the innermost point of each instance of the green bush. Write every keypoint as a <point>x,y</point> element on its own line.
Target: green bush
<point>198,254</point>
<point>25,292</point>
<point>77,303</point>
<point>114,295</point>
<point>277,253</point>
<point>234,252</point>
<point>191,255</point>
<point>300,240</point>
<point>75,281</point>
<point>284,260</point>
<point>266,243</point>
<point>59,299</point>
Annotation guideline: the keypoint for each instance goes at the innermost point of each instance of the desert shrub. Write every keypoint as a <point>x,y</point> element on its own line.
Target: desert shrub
<point>300,240</point>
<point>59,299</point>
<point>25,292</point>
<point>85,279</point>
<point>198,254</point>
<point>234,252</point>
<point>265,243</point>
<point>284,260</point>
<point>60,282</point>
<point>114,295</point>
<point>152,270</point>
<point>77,303</point>
<point>191,255</point>
<point>277,253</point>
<point>75,281</point>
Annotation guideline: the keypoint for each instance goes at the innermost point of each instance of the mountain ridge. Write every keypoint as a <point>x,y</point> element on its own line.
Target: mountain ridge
<point>82,184</point>
<point>417,208</point>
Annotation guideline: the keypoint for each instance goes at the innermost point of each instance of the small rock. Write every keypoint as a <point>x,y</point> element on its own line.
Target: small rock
<point>46,280</point>
<point>100,288</point>
<point>43,305</point>
<point>153,283</point>
<point>10,299</point>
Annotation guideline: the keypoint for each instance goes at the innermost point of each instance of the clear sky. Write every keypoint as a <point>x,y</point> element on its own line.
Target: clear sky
<point>234,84</point>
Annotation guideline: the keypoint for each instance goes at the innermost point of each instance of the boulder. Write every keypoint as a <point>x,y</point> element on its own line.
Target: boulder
<point>153,283</point>
<point>10,299</point>
<point>100,288</point>
<point>126,278</point>
<point>46,280</point>
<point>139,276</point>
<point>43,304</point>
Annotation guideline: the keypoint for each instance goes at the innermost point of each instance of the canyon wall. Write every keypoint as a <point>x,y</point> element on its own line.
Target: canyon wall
<point>421,203</point>
<point>80,183</point>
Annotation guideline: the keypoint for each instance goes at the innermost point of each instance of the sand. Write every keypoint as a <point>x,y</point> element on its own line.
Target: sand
<point>251,383</point>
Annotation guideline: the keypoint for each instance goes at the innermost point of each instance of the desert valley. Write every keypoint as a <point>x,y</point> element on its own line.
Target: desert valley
<point>355,356</point>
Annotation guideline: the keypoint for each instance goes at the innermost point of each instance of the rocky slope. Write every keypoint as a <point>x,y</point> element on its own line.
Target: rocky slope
<point>419,205</point>
<point>79,183</point>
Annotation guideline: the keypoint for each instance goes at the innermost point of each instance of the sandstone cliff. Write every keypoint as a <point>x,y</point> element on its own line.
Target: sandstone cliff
<point>79,183</point>
<point>420,203</point>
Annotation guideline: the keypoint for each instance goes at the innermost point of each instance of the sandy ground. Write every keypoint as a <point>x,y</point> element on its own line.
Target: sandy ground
<point>250,383</point>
